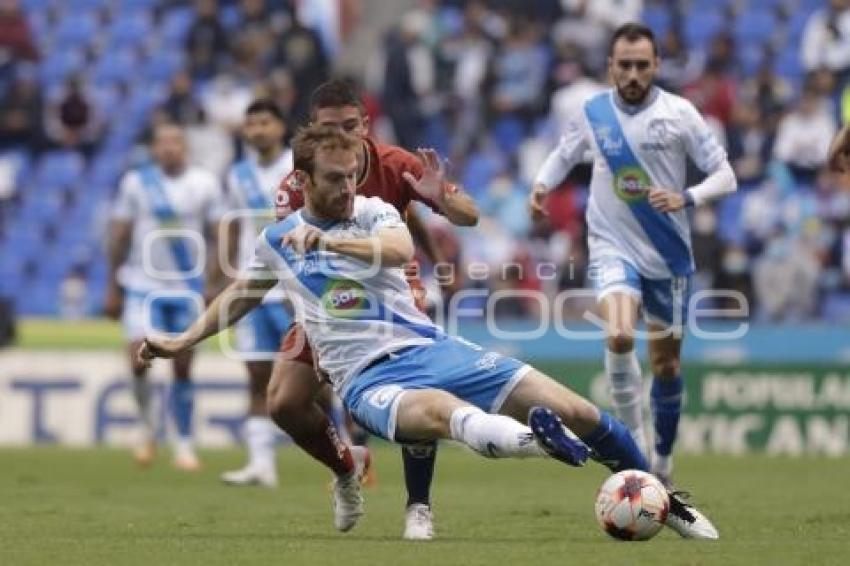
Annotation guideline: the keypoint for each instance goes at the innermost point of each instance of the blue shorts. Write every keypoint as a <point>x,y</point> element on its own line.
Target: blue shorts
<point>261,330</point>
<point>159,311</point>
<point>467,371</point>
<point>664,301</point>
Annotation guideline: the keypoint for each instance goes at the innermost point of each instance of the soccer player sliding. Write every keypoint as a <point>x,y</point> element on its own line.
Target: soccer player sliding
<point>403,378</point>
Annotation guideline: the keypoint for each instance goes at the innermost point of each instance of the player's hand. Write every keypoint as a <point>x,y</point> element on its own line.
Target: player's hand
<point>535,203</point>
<point>839,151</point>
<point>157,347</point>
<point>430,184</point>
<point>114,302</point>
<point>666,201</point>
<point>303,238</point>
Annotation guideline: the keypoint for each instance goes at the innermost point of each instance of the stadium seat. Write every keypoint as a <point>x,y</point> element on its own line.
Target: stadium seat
<point>117,65</point>
<point>788,63</point>
<point>60,64</point>
<point>75,29</point>
<point>508,133</point>
<point>698,32</point>
<point>175,25</point>
<point>162,66</point>
<point>57,167</point>
<point>753,26</point>
<point>480,169</point>
<point>130,29</point>
<point>657,18</point>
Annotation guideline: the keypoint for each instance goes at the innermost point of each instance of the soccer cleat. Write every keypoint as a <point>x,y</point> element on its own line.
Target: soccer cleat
<point>418,522</point>
<point>145,453</point>
<point>265,476</point>
<point>684,518</point>
<point>555,438</point>
<point>347,493</point>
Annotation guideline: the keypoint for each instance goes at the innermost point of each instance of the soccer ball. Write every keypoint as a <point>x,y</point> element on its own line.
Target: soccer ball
<point>632,505</point>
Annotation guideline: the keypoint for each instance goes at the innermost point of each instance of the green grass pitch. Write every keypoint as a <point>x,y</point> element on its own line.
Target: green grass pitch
<point>88,507</point>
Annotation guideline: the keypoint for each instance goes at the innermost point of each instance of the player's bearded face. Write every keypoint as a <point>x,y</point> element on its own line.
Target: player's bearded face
<point>632,66</point>
<point>332,187</point>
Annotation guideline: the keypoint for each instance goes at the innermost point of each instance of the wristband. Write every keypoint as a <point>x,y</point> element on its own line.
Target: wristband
<point>689,199</point>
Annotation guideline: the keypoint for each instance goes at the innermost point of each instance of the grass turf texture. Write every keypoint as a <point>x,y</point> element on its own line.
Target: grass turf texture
<point>94,507</point>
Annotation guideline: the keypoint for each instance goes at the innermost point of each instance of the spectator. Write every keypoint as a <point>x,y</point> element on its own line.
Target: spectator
<point>21,112</point>
<point>750,143</point>
<point>408,79</point>
<point>181,106</point>
<point>206,41</point>
<point>300,51</point>
<point>16,41</point>
<point>72,120</point>
<point>518,74</point>
<point>803,136</point>
<point>826,38</point>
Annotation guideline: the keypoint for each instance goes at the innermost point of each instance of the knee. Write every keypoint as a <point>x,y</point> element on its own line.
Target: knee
<point>667,368</point>
<point>620,342</point>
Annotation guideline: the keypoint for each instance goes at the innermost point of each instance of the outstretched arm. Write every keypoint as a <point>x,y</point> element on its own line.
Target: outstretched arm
<point>226,309</point>
<point>389,247</point>
<point>454,203</point>
<point>839,151</point>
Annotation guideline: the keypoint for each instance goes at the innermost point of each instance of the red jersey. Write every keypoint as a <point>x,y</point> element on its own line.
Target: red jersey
<point>384,167</point>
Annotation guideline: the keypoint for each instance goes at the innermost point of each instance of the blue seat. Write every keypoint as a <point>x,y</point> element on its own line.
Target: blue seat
<point>788,64</point>
<point>508,133</point>
<point>164,65</point>
<point>480,169</point>
<point>59,167</point>
<point>60,64</point>
<point>115,66</point>
<point>657,18</point>
<point>175,25</point>
<point>754,26</point>
<point>75,29</point>
<point>699,31</point>
<point>129,29</point>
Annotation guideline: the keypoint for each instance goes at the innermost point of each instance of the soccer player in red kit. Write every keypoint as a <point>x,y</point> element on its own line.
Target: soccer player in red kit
<point>398,177</point>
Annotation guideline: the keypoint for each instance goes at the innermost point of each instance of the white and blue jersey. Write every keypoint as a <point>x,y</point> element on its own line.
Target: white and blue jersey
<point>251,188</point>
<point>633,149</point>
<point>162,276</point>
<point>362,323</point>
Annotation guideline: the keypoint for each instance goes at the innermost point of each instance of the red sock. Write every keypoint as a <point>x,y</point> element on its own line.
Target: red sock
<point>327,448</point>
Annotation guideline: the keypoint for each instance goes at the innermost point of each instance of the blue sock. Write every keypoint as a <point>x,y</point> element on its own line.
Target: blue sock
<point>419,462</point>
<point>666,404</point>
<point>182,403</point>
<point>614,445</point>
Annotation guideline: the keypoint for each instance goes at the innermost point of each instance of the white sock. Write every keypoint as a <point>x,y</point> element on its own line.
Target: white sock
<point>142,394</point>
<point>260,435</point>
<point>662,465</point>
<point>626,381</point>
<point>493,436</point>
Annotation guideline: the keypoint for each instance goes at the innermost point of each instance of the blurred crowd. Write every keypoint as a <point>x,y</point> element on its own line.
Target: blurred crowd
<point>487,83</point>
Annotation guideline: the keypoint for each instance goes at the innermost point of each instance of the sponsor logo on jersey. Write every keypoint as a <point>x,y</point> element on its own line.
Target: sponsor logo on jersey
<point>488,361</point>
<point>344,298</point>
<point>631,183</point>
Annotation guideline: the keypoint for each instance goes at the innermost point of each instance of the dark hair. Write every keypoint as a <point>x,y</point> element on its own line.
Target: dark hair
<point>265,105</point>
<point>632,32</point>
<point>333,94</point>
<point>311,138</point>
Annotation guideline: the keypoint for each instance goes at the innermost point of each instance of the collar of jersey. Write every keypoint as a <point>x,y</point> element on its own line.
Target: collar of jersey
<point>631,109</point>
<point>321,224</point>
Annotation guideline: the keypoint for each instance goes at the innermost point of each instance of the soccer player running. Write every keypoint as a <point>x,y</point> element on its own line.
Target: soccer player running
<point>638,233</point>
<point>251,186</point>
<point>156,254</point>
<point>339,260</point>
<point>398,178</point>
